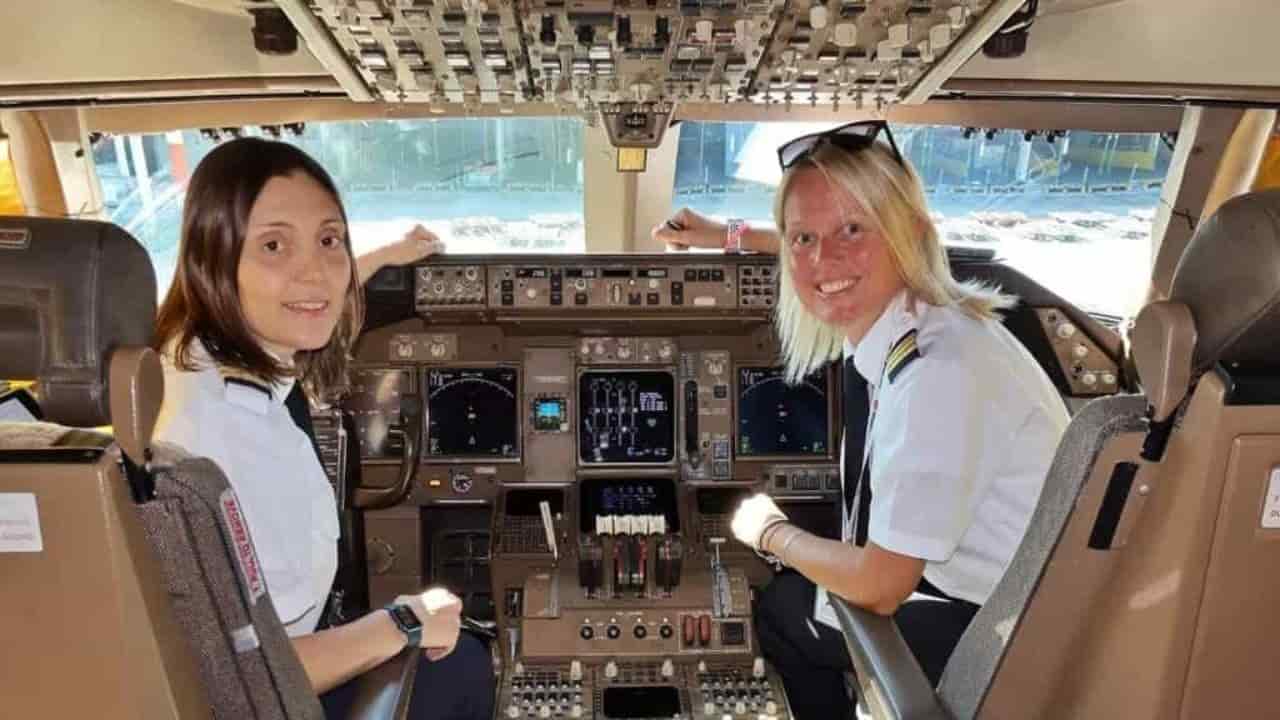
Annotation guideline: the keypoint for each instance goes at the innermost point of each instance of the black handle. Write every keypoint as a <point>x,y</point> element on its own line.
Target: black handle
<point>410,456</point>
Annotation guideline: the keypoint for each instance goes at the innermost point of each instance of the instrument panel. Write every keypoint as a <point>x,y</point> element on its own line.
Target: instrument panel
<point>590,425</point>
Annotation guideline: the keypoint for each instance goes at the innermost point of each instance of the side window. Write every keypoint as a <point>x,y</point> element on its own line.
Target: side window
<point>483,185</point>
<point>1072,209</point>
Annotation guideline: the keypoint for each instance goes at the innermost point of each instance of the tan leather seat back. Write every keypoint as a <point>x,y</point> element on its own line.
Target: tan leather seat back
<point>84,612</point>
<point>1160,600</point>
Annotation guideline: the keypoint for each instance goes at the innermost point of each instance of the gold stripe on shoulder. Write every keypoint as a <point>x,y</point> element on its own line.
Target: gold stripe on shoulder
<point>904,352</point>
<point>236,376</point>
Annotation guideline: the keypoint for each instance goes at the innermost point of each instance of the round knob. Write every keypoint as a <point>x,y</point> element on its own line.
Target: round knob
<point>611,670</point>
<point>640,632</point>
<point>381,557</point>
<point>438,288</point>
<point>818,16</point>
<point>586,632</point>
<point>1089,379</point>
<point>424,273</point>
<point>585,349</point>
<point>471,273</point>
<point>1066,330</point>
<point>624,352</point>
<point>664,352</point>
<point>666,632</point>
<point>404,350</point>
<point>513,711</point>
<point>771,707</point>
<point>1080,351</point>
<point>437,350</point>
<point>614,632</point>
<point>531,293</point>
<point>580,283</point>
<point>715,368</point>
<point>1108,379</point>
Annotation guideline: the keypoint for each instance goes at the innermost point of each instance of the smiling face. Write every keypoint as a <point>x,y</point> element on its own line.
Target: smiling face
<point>294,268</point>
<point>840,264</point>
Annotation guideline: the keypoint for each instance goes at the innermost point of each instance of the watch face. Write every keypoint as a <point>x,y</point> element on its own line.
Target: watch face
<point>405,617</point>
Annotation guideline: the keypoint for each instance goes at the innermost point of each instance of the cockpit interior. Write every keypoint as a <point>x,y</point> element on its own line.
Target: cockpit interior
<point>557,417</point>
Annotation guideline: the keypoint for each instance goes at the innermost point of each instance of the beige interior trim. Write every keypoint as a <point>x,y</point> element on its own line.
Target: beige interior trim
<point>188,90</point>
<point>34,164</point>
<point>608,196</point>
<point>961,50</point>
<point>1164,338</point>
<point>1019,114</point>
<point>137,390</point>
<point>1241,158</point>
<point>1119,91</point>
<point>655,190</point>
<point>1203,134</point>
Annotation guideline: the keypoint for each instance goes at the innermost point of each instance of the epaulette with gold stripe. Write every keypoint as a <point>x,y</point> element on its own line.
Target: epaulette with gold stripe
<point>903,353</point>
<point>238,377</point>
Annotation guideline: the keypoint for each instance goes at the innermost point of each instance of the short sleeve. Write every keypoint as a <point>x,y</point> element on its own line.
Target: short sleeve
<point>926,453</point>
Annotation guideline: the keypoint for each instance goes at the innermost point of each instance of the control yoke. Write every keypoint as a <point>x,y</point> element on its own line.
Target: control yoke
<point>410,429</point>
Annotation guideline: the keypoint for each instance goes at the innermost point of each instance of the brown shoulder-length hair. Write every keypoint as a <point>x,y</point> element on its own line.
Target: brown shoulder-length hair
<point>203,302</point>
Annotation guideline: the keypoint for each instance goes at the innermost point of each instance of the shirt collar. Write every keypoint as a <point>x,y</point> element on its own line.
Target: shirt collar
<point>242,388</point>
<point>872,350</point>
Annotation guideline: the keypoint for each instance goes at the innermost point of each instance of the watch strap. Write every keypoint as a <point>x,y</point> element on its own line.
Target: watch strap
<point>412,632</point>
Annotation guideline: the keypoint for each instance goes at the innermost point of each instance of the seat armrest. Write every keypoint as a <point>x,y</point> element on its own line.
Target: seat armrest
<point>384,692</point>
<point>890,681</point>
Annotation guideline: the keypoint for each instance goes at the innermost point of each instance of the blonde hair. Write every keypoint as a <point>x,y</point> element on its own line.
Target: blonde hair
<point>892,196</point>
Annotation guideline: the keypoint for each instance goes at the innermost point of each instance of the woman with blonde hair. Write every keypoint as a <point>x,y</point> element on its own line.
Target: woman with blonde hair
<point>950,424</point>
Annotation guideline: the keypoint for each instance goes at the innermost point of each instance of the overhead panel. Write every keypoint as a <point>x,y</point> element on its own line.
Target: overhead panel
<point>629,62</point>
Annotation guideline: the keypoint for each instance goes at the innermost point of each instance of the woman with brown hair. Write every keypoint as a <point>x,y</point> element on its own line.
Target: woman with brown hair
<point>264,307</point>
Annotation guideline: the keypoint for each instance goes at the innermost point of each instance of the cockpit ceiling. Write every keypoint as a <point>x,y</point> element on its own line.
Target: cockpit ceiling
<point>588,56</point>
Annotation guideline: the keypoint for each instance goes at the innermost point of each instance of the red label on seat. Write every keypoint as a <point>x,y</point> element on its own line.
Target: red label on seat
<point>246,558</point>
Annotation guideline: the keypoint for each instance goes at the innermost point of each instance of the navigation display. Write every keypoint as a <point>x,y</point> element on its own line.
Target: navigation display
<point>626,417</point>
<point>780,420</point>
<point>374,402</point>
<point>471,413</point>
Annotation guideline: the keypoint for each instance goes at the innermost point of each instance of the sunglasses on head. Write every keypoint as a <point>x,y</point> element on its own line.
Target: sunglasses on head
<point>852,138</point>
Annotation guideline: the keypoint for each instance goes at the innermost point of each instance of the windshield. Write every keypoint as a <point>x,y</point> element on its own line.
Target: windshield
<point>483,185</point>
<point>1073,210</point>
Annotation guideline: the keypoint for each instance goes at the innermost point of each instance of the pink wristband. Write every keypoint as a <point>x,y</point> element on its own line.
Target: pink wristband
<point>734,230</point>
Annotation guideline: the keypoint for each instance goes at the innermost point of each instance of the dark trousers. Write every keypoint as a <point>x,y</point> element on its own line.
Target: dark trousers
<point>811,658</point>
<point>457,687</point>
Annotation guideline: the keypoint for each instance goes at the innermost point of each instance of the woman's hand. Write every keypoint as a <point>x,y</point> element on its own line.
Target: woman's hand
<point>416,244</point>
<point>756,514</point>
<point>440,613</point>
<point>687,229</point>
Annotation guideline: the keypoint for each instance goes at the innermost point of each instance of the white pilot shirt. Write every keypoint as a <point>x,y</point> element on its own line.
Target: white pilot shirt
<point>960,441</point>
<point>286,499</point>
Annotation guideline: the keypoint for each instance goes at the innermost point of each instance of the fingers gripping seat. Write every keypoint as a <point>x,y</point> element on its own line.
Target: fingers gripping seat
<point>145,593</point>
<point>1147,582</point>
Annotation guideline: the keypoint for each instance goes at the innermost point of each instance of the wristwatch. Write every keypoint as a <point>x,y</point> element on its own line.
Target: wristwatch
<point>408,622</point>
<point>735,228</point>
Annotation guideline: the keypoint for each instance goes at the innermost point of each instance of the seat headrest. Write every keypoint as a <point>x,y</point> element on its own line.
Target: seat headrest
<point>71,293</point>
<point>1229,277</point>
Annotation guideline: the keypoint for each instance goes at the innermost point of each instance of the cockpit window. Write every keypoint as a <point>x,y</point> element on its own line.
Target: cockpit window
<point>1071,209</point>
<point>483,185</point>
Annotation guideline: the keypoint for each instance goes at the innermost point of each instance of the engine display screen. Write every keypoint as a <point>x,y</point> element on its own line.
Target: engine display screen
<point>626,417</point>
<point>780,420</point>
<point>374,402</point>
<point>472,413</point>
<point>628,496</point>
